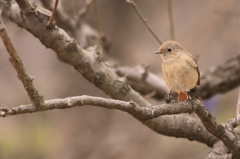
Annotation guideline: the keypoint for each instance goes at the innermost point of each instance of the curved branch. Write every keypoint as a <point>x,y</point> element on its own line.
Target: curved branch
<point>89,64</point>
<point>139,112</point>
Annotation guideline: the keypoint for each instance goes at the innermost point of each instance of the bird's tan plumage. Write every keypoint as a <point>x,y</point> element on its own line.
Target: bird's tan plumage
<point>179,68</point>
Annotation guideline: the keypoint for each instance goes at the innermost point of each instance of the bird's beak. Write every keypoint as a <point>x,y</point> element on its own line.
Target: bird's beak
<point>158,52</point>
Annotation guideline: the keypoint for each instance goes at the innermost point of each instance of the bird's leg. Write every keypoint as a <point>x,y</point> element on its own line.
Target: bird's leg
<point>167,97</point>
<point>190,97</point>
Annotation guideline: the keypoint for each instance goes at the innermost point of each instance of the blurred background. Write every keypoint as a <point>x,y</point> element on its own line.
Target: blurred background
<point>208,29</point>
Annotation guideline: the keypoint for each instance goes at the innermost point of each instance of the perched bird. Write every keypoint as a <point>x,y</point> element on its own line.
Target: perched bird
<point>179,68</point>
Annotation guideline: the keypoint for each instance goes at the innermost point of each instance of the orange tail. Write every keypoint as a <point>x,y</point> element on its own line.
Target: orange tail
<point>182,96</point>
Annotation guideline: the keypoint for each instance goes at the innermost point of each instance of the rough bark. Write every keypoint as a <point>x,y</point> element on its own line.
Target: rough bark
<point>90,64</point>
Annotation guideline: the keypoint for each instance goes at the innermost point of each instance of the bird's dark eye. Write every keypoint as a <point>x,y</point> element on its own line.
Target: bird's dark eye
<point>169,50</point>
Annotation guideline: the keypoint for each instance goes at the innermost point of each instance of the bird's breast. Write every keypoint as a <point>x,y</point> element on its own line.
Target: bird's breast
<point>179,75</point>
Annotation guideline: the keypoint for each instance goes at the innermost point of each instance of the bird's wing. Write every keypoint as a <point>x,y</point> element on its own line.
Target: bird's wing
<point>193,63</point>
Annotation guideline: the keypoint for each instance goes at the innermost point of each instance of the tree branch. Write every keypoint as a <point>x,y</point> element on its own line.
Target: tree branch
<point>229,139</point>
<point>63,19</point>
<point>87,36</point>
<point>26,79</point>
<point>49,23</point>
<point>139,112</point>
<point>90,65</point>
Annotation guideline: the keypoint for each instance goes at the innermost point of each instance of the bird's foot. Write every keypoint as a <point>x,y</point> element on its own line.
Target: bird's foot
<point>169,99</point>
<point>192,103</point>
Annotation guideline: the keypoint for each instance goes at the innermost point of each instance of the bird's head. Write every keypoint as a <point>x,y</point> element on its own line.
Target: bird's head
<point>169,49</point>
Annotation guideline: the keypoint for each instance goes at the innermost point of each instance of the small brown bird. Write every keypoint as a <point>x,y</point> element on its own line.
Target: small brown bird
<point>180,69</point>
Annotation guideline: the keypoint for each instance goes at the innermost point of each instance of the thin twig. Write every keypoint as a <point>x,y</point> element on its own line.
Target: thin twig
<point>63,19</point>
<point>170,14</point>
<point>15,60</point>
<point>99,28</point>
<point>143,20</point>
<point>49,23</point>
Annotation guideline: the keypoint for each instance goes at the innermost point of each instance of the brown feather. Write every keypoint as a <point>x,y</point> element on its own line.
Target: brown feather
<point>196,68</point>
<point>198,82</point>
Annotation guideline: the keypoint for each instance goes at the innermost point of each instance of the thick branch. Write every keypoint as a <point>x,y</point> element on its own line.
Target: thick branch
<point>90,65</point>
<point>86,62</point>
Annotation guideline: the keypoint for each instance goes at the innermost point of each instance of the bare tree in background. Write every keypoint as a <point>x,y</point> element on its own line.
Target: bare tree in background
<point>131,88</point>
